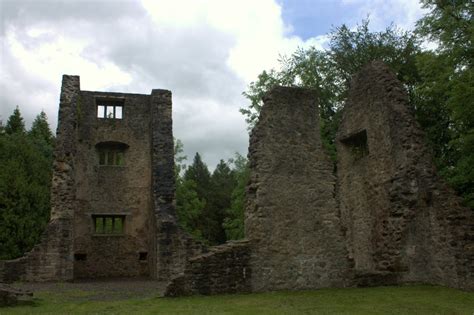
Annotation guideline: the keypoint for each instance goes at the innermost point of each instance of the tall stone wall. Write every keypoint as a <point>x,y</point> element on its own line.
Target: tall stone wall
<point>292,219</point>
<point>403,223</point>
<point>173,245</point>
<point>52,258</point>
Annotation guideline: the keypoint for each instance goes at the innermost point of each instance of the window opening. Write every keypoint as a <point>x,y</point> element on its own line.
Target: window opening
<point>111,157</point>
<point>109,224</point>
<point>111,153</point>
<point>108,109</point>
<point>80,257</point>
<point>357,143</point>
<point>142,255</point>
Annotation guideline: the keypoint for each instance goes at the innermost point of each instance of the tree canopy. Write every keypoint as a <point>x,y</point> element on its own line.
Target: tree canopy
<point>439,83</point>
<point>25,180</point>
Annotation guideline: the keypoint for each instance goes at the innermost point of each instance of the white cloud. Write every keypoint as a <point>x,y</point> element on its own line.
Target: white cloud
<point>205,51</point>
<point>382,12</point>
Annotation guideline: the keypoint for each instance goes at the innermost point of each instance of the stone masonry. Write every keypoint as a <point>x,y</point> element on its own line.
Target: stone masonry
<point>383,217</point>
<point>112,198</point>
<point>403,223</point>
<point>292,219</point>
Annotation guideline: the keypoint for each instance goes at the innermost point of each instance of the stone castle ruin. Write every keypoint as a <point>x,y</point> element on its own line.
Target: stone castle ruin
<point>384,217</point>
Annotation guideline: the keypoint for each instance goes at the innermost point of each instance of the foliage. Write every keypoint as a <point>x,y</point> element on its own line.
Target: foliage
<point>449,23</point>
<point>40,130</point>
<point>15,123</point>
<point>189,207</point>
<point>179,158</point>
<point>439,83</point>
<point>201,195</point>
<point>446,95</point>
<point>223,183</point>
<point>234,221</point>
<point>330,71</point>
<point>25,180</point>
<point>208,205</point>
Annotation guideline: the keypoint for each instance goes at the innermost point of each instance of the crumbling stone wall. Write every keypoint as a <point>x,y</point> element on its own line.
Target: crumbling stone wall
<point>403,223</point>
<point>224,269</point>
<point>52,258</point>
<point>292,219</point>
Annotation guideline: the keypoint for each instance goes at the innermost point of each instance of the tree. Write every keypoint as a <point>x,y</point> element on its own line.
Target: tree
<point>199,173</point>
<point>15,123</point>
<point>179,158</point>
<point>25,180</point>
<point>189,207</point>
<point>40,129</point>
<point>446,91</point>
<point>234,221</point>
<point>223,183</point>
<point>449,24</point>
<point>330,71</point>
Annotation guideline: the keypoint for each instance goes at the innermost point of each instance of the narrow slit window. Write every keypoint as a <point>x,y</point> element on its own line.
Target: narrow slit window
<point>118,112</point>
<point>109,112</point>
<point>101,111</point>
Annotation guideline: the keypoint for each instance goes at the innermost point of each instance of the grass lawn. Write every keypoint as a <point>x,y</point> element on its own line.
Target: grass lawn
<point>382,300</point>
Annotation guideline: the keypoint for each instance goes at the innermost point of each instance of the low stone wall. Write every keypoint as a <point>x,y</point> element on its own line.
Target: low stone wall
<point>49,260</point>
<point>175,248</point>
<point>224,269</point>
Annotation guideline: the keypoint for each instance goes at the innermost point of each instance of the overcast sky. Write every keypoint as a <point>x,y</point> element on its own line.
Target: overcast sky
<point>205,52</point>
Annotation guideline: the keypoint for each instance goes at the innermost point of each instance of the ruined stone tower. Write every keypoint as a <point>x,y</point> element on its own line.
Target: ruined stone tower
<point>112,198</point>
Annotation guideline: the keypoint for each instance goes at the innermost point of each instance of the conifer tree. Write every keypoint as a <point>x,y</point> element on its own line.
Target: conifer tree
<point>15,123</point>
<point>40,129</point>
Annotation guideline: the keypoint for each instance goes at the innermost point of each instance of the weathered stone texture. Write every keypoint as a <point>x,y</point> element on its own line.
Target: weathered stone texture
<point>403,223</point>
<point>292,219</point>
<point>114,189</point>
<point>224,269</point>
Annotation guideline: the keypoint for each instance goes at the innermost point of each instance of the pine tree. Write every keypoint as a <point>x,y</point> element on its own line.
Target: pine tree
<point>223,184</point>
<point>40,129</point>
<point>199,173</point>
<point>15,123</point>
<point>234,221</point>
<point>25,179</point>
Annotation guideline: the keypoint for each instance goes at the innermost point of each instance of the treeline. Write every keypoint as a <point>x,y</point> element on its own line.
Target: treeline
<point>210,206</point>
<point>440,82</point>
<point>25,181</point>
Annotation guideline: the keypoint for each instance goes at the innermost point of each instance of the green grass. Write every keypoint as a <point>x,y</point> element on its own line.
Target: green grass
<point>381,300</point>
